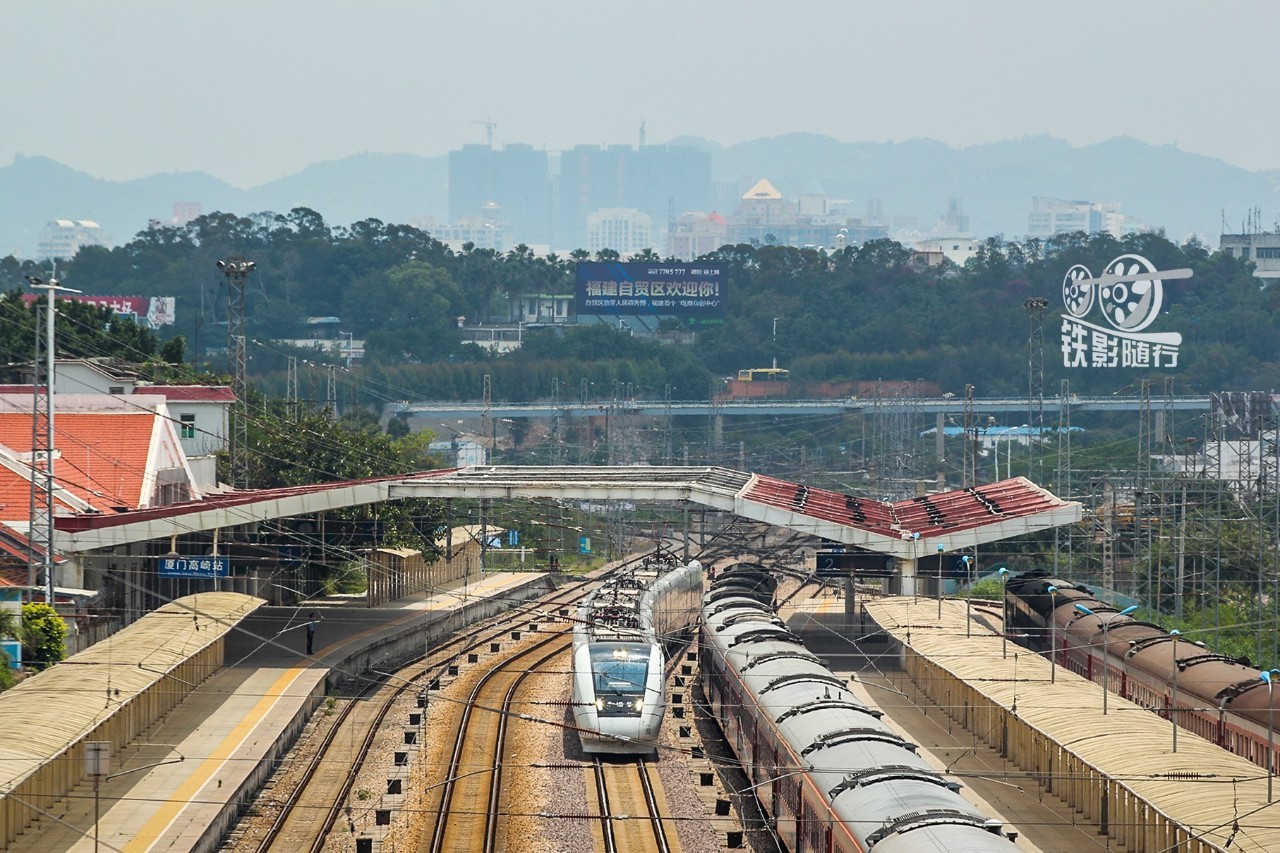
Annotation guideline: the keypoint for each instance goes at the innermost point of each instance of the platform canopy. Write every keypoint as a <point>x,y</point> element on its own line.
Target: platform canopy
<point>906,529</point>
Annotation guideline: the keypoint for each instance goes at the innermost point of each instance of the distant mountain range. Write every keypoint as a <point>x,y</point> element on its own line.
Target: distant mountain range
<point>1161,185</point>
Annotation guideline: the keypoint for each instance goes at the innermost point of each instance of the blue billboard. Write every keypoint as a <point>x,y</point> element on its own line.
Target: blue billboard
<point>694,292</point>
<point>195,567</point>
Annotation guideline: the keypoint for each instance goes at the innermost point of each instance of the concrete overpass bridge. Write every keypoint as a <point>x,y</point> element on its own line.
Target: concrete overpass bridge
<point>782,406</point>
<point>906,530</point>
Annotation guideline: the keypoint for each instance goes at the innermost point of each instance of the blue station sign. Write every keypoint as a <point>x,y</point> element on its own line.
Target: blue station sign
<point>195,567</point>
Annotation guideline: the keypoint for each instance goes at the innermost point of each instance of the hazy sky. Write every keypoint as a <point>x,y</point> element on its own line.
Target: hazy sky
<point>252,91</point>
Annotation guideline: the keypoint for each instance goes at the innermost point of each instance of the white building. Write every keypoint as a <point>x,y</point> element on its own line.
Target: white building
<point>1262,249</point>
<point>624,229</point>
<point>200,413</point>
<point>540,308</point>
<point>62,238</point>
<point>460,453</point>
<point>487,231</point>
<point>1050,216</point>
<point>955,249</point>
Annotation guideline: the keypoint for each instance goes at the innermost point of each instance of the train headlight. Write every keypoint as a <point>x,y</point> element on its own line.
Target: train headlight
<point>639,704</point>
<point>599,704</point>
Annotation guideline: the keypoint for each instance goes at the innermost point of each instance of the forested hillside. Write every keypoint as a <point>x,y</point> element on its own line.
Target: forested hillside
<point>866,313</point>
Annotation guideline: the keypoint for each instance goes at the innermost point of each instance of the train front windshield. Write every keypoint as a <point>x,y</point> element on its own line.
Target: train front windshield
<point>618,672</point>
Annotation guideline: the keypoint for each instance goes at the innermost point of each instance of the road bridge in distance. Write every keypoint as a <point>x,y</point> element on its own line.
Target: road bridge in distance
<point>782,406</point>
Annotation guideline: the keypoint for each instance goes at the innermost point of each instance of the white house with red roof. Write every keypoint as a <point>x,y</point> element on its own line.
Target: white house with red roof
<point>201,412</point>
<point>113,454</point>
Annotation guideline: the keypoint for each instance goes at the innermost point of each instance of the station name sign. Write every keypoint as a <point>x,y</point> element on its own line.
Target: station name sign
<point>195,567</point>
<point>1129,295</point>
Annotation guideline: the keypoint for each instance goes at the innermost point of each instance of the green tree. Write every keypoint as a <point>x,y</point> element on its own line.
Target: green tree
<point>44,635</point>
<point>10,627</point>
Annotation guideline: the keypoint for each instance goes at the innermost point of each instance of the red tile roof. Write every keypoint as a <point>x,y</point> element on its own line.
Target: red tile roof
<point>946,512</point>
<point>830,506</point>
<point>102,458</point>
<point>965,509</point>
<point>198,393</point>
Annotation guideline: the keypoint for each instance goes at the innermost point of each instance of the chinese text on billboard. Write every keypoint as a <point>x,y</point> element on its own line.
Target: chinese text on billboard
<point>695,291</point>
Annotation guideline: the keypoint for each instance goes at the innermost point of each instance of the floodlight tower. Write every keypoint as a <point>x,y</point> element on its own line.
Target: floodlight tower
<point>1035,306</point>
<point>236,270</point>
<point>42,443</point>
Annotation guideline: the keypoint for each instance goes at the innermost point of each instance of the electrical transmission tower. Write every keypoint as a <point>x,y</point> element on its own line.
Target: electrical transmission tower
<point>331,392</point>
<point>557,445</point>
<point>487,424</point>
<point>1063,485</point>
<point>40,531</point>
<point>236,270</point>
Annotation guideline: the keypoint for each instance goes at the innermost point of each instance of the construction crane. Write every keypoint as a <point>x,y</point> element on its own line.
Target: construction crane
<point>489,127</point>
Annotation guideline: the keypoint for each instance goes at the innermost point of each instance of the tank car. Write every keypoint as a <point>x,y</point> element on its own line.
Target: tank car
<point>828,772</point>
<point>1219,698</point>
<point>619,694</point>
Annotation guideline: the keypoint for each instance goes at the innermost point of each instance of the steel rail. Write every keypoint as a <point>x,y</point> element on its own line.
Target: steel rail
<point>606,817</point>
<point>655,811</point>
<point>461,741</point>
<point>433,666</point>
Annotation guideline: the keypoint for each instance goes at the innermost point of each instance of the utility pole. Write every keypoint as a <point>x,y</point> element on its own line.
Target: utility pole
<point>293,388</point>
<point>970,440</point>
<point>237,269</point>
<point>774,344</point>
<point>42,442</point>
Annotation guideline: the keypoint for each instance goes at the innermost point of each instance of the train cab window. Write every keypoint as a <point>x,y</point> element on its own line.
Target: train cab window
<point>619,671</point>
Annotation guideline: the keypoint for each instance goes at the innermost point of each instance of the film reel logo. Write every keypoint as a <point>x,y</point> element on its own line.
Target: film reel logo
<point>1130,294</point>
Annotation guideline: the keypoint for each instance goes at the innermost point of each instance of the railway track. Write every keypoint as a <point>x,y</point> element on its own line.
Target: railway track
<point>469,803</point>
<point>314,805</point>
<point>309,813</point>
<point>629,802</point>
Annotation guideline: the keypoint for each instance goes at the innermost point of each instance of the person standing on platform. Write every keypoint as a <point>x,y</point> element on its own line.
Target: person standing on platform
<point>312,618</point>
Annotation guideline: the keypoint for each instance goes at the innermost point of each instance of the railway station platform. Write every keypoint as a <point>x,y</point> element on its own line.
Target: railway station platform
<point>181,785</point>
<point>989,782</point>
<point>1032,739</point>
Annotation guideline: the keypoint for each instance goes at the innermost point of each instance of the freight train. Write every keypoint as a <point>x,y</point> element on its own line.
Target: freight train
<point>619,694</point>
<point>1220,698</point>
<point>829,774</point>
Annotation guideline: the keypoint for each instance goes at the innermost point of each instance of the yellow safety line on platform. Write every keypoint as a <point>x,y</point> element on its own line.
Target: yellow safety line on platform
<point>169,812</point>
<point>164,817</point>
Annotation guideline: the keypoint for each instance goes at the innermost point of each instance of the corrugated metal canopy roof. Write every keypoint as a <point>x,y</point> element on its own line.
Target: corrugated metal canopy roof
<point>1203,787</point>
<point>50,712</point>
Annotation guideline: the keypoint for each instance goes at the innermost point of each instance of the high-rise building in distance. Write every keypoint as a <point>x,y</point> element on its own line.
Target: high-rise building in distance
<point>657,180</point>
<point>515,178</point>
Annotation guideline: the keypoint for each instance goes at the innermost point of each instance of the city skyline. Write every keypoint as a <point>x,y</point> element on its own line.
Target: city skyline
<point>251,93</point>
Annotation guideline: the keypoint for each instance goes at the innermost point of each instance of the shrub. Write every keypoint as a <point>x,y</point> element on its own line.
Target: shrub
<point>44,635</point>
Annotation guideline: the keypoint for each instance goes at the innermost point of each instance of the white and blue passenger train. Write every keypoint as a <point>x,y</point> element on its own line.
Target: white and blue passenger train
<point>618,652</point>
<point>832,777</point>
